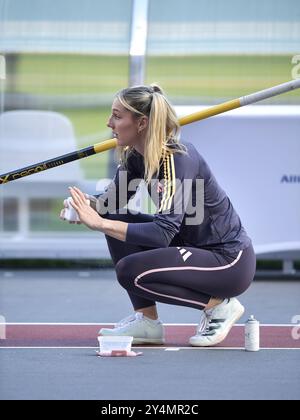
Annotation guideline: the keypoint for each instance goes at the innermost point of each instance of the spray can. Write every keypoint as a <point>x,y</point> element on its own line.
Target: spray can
<point>252,334</point>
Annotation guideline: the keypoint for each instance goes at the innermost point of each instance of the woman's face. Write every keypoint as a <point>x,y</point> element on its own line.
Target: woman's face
<point>127,129</point>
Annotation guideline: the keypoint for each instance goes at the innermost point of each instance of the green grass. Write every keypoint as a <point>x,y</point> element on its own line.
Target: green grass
<point>224,76</point>
<point>56,74</point>
<point>70,74</point>
<point>207,75</point>
<point>89,121</point>
<point>85,122</point>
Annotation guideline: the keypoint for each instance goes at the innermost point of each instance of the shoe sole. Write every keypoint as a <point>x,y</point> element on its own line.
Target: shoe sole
<point>221,338</point>
<point>148,341</point>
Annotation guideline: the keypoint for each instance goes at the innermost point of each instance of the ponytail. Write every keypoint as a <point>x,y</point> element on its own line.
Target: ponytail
<point>162,135</point>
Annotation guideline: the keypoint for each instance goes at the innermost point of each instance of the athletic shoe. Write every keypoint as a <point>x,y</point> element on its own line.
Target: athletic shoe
<point>143,330</point>
<point>216,323</point>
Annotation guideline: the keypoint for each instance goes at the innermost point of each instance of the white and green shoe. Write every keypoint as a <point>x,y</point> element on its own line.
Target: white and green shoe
<point>216,323</point>
<point>143,330</point>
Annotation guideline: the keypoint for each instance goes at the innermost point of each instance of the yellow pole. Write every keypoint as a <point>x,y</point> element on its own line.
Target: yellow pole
<point>210,112</point>
<point>112,143</point>
<point>105,145</point>
<point>188,119</point>
<point>219,109</point>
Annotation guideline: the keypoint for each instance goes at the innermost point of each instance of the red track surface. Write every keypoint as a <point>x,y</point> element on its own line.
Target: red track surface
<point>71,335</point>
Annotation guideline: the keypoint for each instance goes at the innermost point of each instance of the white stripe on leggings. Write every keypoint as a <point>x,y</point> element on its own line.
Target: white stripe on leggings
<point>157,270</point>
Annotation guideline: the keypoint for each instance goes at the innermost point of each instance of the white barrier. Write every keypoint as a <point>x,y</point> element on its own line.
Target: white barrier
<point>255,154</point>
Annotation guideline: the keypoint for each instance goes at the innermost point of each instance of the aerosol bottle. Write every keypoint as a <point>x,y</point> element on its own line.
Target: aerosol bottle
<point>252,334</point>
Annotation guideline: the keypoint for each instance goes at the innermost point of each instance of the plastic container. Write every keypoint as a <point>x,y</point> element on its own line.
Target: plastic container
<point>252,334</point>
<point>120,343</point>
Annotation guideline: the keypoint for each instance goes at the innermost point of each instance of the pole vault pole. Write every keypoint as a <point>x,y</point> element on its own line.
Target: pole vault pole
<point>110,144</point>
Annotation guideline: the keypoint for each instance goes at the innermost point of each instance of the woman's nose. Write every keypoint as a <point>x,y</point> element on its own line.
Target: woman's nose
<point>109,123</point>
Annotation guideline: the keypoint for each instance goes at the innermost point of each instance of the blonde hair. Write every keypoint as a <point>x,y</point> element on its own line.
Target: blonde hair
<point>162,134</point>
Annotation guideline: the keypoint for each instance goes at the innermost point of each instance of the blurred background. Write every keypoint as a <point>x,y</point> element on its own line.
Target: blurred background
<point>70,57</point>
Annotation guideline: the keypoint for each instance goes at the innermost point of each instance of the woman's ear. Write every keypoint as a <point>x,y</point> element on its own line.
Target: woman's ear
<point>143,123</point>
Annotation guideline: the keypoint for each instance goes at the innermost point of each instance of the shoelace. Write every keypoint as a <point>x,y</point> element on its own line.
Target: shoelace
<point>208,325</point>
<point>129,319</point>
<point>204,322</point>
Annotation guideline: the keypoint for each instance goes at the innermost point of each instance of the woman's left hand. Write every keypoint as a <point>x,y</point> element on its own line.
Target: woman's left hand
<point>87,215</point>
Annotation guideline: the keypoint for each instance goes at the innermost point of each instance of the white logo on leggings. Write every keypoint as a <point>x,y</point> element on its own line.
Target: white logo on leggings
<point>184,253</point>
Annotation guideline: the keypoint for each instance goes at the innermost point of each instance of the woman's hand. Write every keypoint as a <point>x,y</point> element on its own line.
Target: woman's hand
<point>86,214</point>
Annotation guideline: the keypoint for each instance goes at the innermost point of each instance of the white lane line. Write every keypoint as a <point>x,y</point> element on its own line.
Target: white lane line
<point>60,323</point>
<point>113,323</point>
<point>172,349</point>
<point>156,348</point>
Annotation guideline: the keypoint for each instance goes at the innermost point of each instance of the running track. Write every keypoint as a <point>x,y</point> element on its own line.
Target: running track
<point>177,335</point>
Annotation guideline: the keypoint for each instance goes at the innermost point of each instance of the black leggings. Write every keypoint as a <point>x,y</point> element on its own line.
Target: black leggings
<point>177,275</point>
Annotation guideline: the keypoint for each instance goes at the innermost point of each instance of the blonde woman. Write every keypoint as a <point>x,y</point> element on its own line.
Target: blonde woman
<point>175,256</point>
